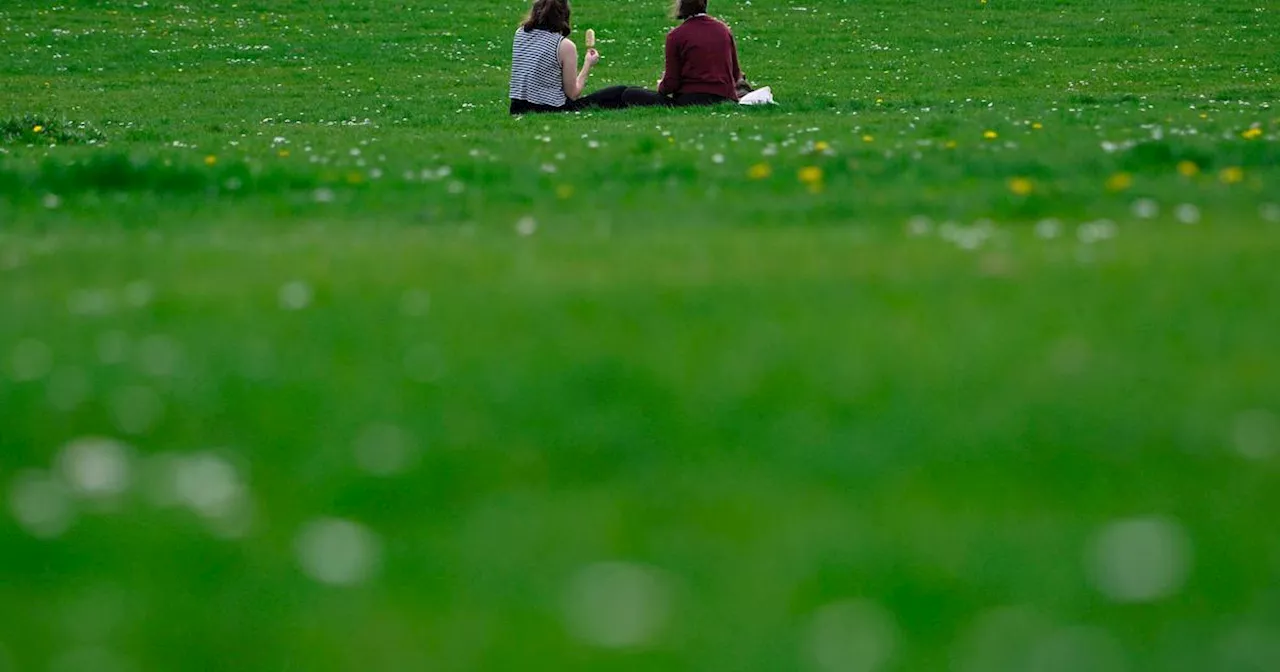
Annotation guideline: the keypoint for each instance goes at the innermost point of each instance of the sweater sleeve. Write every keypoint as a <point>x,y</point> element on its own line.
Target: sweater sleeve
<point>733,49</point>
<point>671,74</point>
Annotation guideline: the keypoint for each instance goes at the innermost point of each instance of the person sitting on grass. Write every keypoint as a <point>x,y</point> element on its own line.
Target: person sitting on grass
<point>701,63</point>
<point>544,65</point>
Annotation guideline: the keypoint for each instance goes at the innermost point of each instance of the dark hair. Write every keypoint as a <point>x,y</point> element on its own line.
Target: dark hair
<point>684,9</point>
<point>549,15</point>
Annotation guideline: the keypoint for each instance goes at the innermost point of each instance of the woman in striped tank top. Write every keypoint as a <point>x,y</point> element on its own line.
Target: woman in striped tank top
<point>544,65</point>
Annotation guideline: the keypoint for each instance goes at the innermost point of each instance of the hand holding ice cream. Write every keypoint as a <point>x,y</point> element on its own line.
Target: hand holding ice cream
<point>593,56</point>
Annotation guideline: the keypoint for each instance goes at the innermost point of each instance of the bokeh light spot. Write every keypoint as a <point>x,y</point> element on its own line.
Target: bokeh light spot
<point>384,450</point>
<point>852,636</point>
<point>1078,649</point>
<point>96,467</point>
<point>1255,434</point>
<point>617,604</point>
<point>41,504</point>
<point>338,552</point>
<point>30,360</point>
<point>1140,559</point>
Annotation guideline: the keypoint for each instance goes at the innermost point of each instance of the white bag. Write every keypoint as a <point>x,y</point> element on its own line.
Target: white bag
<point>761,96</point>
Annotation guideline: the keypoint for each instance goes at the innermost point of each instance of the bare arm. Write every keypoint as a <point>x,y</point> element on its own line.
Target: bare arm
<point>574,81</point>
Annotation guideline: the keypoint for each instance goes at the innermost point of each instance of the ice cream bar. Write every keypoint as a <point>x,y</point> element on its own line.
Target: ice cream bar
<point>591,38</point>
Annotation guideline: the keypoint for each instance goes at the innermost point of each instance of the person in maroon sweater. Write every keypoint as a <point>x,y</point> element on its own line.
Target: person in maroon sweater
<point>702,62</point>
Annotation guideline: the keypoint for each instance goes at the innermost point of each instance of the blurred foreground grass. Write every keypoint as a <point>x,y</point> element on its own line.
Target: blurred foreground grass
<point>311,359</point>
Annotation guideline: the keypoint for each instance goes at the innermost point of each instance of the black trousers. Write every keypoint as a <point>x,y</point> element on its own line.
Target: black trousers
<point>635,97</point>
<point>607,99</point>
<point>618,97</point>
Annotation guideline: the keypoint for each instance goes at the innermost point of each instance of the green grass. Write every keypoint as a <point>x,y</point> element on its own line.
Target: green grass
<point>994,389</point>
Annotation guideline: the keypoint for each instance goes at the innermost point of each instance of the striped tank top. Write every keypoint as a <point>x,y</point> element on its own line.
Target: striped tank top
<point>536,76</point>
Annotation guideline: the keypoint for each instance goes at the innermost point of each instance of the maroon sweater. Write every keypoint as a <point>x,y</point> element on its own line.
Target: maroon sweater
<point>701,58</point>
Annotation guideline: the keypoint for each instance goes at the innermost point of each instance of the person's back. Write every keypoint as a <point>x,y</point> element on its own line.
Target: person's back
<point>536,71</point>
<point>701,59</point>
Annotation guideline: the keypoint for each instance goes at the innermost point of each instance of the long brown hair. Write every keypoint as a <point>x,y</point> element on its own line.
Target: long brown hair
<point>549,15</point>
<point>683,9</point>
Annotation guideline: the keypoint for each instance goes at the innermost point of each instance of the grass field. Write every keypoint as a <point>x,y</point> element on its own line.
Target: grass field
<point>963,357</point>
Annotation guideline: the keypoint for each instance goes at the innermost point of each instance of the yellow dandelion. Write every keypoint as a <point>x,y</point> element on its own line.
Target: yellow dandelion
<point>1119,182</point>
<point>990,135</point>
<point>810,175</point>
<point>1037,125</point>
<point>868,138</point>
<point>564,192</point>
<point>37,129</point>
<point>1252,134</point>
<point>1021,186</point>
<point>760,171</point>
<point>210,160</point>
<point>1231,175</point>
<point>1204,115</point>
<point>821,146</point>
<point>950,144</point>
<point>284,153</point>
<point>1188,168</point>
<point>879,101</point>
